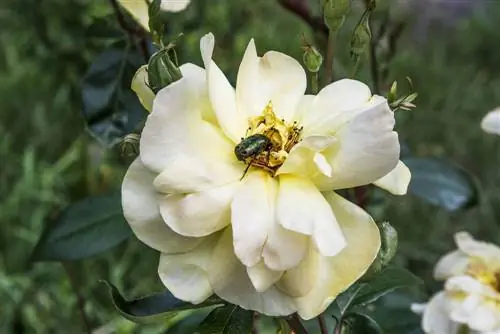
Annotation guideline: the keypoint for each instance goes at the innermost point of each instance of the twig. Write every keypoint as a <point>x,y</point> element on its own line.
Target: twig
<point>322,325</point>
<point>132,32</point>
<point>68,267</point>
<point>296,325</point>
<point>299,8</point>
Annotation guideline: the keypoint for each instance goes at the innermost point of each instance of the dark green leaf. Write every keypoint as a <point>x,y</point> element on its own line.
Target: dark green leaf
<point>346,298</point>
<point>110,108</point>
<point>153,307</point>
<point>229,319</point>
<point>388,280</point>
<point>85,228</point>
<point>360,323</point>
<point>442,183</point>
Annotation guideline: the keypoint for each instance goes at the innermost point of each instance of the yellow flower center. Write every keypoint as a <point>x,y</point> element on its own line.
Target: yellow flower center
<point>482,273</point>
<point>268,141</point>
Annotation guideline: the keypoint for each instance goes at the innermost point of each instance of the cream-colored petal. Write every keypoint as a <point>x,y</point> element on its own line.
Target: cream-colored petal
<point>199,214</point>
<point>307,158</point>
<point>485,317</point>
<point>396,181</point>
<point>185,274</point>
<point>302,208</point>
<point>472,286</point>
<point>141,211</point>
<point>175,132</point>
<point>487,252</point>
<point>275,77</point>
<point>452,264</point>
<point>334,105</point>
<point>368,149</point>
<point>140,85</point>
<point>252,216</point>
<point>436,319</point>
<point>262,277</point>
<point>186,175</point>
<point>230,281</point>
<point>174,5</point>
<point>334,274</point>
<point>139,11</point>
<point>491,122</point>
<point>300,280</point>
<point>222,94</point>
<point>284,249</point>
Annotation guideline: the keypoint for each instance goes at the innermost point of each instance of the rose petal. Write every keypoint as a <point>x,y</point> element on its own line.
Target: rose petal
<point>302,208</point>
<point>222,94</point>
<point>185,274</point>
<point>284,249</point>
<point>275,77</point>
<point>230,281</point>
<point>334,105</point>
<point>139,11</point>
<point>252,216</point>
<point>175,133</point>
<point>452,264</point>
<point>141,211</point>
<point>199,214</point>
<point>174,5</point>
<point>396,181</point>
<point>436,319</point>
<point>262,277</point>
<point>140,85</point>
<point>333,275</point>
<point>367,150</point>
<point>491,122</point>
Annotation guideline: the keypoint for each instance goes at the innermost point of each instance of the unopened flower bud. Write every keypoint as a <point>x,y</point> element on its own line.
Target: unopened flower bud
<point>389,237</point>
<point>162,71</point>
<point>334,12</point>
<point>312,59</point>
<point>361,37</point>
<point>388,247</point>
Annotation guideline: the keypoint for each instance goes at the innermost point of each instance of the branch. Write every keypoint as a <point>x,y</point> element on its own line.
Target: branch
<point>296,325</point>
<point>299,8</point>
<point>132,32</point>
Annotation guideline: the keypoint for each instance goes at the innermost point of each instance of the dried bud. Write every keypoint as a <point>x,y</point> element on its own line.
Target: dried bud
<point>361,37</point>
<point>335,12</point>
<point>312,59</point>
<point>162,71</point>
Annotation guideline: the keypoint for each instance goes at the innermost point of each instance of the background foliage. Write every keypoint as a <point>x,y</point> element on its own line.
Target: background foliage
<point>49,160</point>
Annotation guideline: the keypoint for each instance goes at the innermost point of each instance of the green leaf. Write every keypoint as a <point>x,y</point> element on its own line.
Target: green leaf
<point>360,323</point>
<point>388,280</point>
<point>85,228</point>
<point>110,108</point>
<point>154,307</point>
<point>442,183</point>
<point>229,319</point>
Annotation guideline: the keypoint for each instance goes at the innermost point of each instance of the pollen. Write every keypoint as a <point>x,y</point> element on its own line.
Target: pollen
<point>482,273</point>
<point>282,135</point>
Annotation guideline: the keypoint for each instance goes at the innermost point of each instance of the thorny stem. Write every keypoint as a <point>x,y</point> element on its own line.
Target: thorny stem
<point>135,35</point>
<point>299,8</point>
<point>322,325</point>
<point>68,267</point>
<point>296,325</point>
<point>330,52</point>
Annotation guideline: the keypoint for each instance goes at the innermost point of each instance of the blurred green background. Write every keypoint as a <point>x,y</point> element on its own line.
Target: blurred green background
<point>49,160</point>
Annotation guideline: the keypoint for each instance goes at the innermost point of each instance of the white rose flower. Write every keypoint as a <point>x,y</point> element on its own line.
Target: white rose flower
<point>491,122</point>
<point>471,298</point>
<point>139,8</point>
<point>274,238</point>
